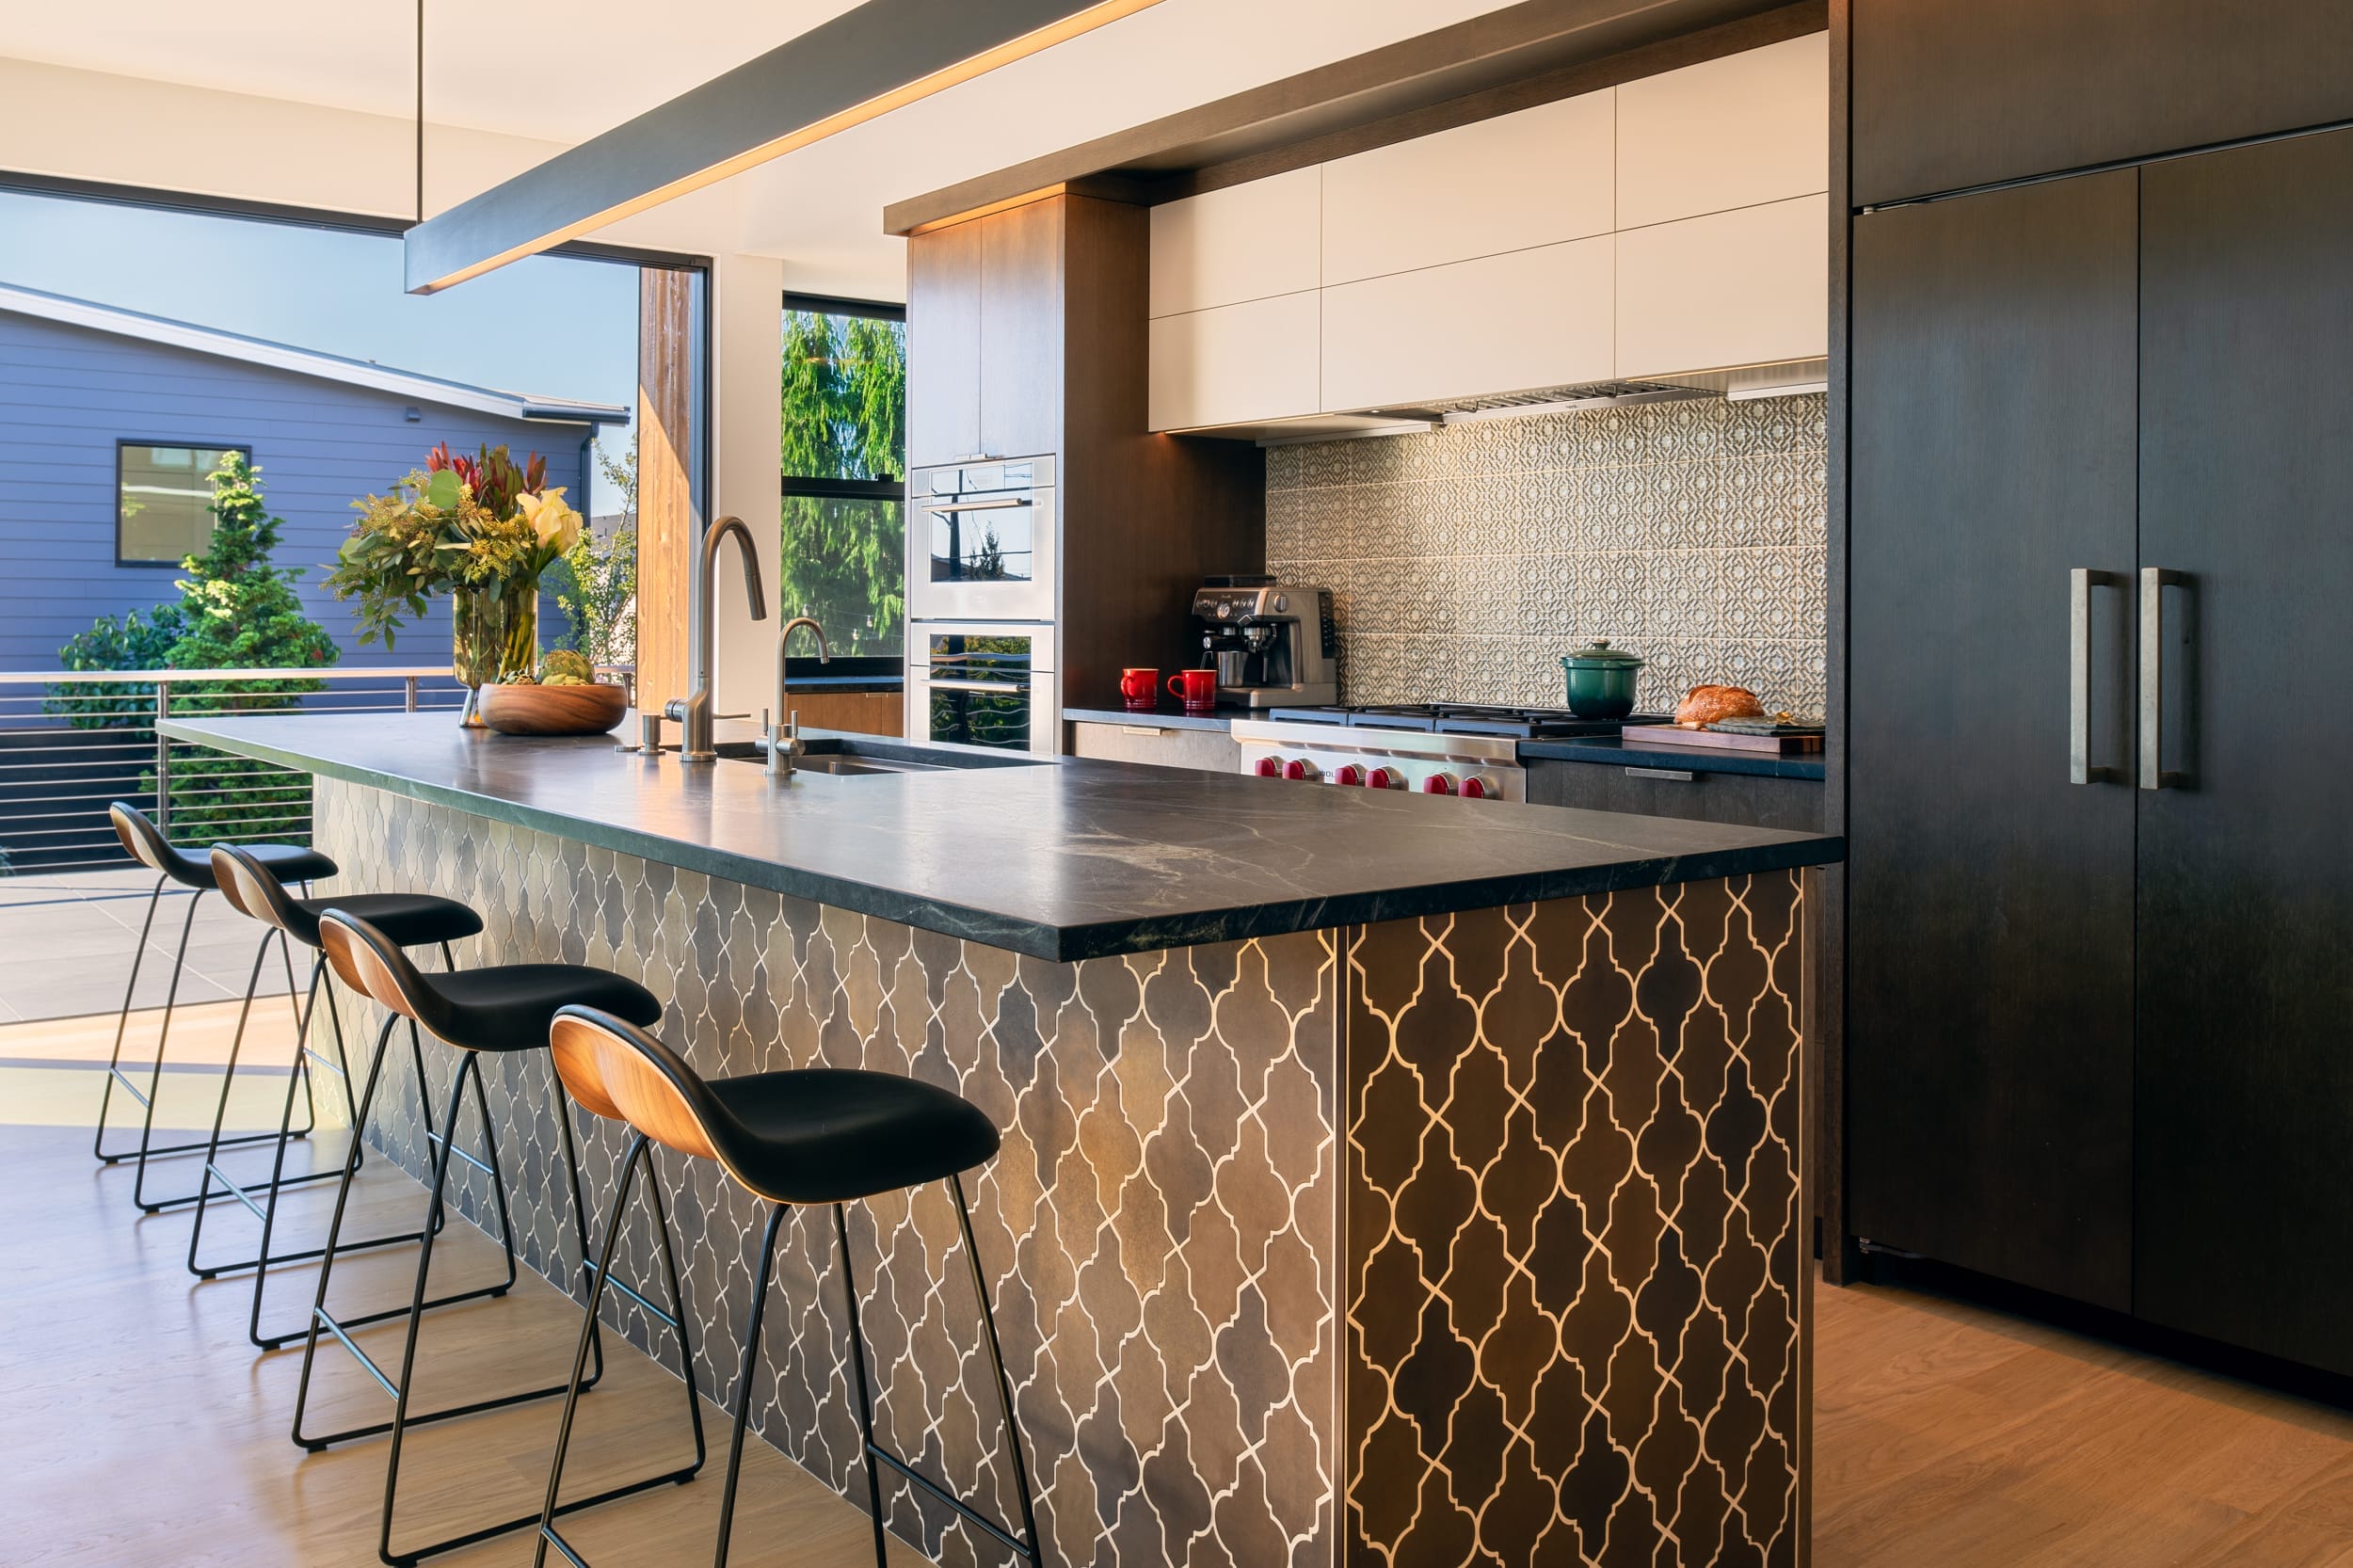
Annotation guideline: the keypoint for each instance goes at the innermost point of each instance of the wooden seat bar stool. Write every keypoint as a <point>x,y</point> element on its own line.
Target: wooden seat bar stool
<point>805,1137</point>
<point>500,1009</point>
<point>145,842</point>
<point>414,920</point>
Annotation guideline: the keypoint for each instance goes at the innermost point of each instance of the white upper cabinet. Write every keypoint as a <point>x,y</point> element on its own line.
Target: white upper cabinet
<point>1246,242</point>
<point>1537,177</point>
<point>1740,288</point>
<point>1509,323</point>
<point>1233,364</point>
<point>1735,132</point>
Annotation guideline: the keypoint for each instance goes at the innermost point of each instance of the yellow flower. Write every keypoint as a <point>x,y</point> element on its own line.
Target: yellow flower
<point>557,524</point>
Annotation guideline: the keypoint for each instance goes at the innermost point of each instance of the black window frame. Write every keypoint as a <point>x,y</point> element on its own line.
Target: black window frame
<point>802,667</point>
<point>123,443</point>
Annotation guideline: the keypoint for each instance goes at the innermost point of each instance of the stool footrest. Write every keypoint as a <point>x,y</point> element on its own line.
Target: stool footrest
<point>340,1328</point>
<point>963,1508</point>
<point>432,1137</point>
<point>616,1283</point>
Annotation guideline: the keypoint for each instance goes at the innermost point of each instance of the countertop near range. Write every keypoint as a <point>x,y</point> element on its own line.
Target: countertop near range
<point>1628,751</point>
<point>1065,859</point>
<point>1166,716</point>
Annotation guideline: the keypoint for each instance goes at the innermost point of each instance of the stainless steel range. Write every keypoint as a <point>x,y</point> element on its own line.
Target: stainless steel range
<point>1467,751</point>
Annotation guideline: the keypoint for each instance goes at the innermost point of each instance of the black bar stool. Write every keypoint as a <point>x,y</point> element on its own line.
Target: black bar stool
<point>145,842</point>
<point>502,1009</point>
<point>414,920</point>
<point>818,1135</point>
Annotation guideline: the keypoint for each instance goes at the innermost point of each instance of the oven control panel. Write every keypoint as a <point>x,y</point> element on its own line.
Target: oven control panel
<point>1463,767</point>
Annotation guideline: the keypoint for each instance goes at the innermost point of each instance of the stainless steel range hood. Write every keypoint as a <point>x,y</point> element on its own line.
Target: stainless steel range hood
<point>1786,379</point>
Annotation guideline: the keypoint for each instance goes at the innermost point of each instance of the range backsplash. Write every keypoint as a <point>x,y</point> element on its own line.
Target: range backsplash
<point>1465,562</point>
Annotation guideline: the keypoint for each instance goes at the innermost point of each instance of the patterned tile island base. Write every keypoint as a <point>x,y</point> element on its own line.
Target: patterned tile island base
<point>1465,1239</point>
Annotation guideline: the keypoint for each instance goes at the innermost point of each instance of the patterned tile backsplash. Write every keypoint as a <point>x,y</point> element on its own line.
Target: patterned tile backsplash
<point>1465,562</point>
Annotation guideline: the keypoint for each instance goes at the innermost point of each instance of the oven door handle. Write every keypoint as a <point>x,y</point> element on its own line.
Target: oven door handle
<point>1010,687</point>
<point>997,506</point>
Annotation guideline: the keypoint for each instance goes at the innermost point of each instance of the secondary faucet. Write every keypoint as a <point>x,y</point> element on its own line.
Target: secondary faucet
<point>784,730</point>
<point>693,711</point>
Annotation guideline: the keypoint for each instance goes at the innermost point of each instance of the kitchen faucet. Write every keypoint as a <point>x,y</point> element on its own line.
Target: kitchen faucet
<point>784,731</point>
<point>693,711</point>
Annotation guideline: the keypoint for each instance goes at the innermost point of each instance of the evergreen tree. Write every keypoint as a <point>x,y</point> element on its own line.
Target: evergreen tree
<point>238,612</point>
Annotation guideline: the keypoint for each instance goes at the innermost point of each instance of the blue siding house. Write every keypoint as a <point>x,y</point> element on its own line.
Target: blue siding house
<point>97,404</point>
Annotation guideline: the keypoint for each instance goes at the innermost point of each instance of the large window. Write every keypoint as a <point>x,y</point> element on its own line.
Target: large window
<point>844,471</point>
<point>163,503</point>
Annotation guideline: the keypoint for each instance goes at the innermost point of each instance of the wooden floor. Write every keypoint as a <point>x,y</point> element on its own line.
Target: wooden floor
<point>138,1428</point>
<point>1947,1437</point>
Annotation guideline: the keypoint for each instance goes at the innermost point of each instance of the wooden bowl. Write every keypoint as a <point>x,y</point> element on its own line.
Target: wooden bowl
<point>553,709</point>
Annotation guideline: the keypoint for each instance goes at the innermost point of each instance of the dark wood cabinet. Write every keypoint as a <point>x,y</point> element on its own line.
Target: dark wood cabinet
<point>1950,94</point>
<point>2246,862</point>
<point>1740,800</point>
<point>1989,1076</point>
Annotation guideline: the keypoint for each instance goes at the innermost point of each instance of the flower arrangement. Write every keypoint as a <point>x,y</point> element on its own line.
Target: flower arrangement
<point>480,529</point>
<point>478,524</point>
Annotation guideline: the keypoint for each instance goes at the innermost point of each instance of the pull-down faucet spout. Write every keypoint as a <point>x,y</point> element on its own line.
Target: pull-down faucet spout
<point>693,711</point>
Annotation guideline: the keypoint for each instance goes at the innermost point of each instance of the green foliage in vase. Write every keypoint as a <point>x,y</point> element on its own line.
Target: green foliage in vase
<point>460,522</point>
<point>844,390</point>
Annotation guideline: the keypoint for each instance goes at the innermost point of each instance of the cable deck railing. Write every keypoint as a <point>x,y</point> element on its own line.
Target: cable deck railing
<point>74,740</point>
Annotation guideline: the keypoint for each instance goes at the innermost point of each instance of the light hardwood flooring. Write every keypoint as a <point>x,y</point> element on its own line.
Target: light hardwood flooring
<point>138,1430</point>
<point>1949,1436</point>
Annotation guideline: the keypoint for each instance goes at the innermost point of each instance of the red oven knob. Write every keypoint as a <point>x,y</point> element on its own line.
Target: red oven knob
<point>1384,778</point>
<point>1349,773</point>
<point>1299,767</point>
<point>1479,785</point>
<point>1438,784</point>
<point>1269,767</point>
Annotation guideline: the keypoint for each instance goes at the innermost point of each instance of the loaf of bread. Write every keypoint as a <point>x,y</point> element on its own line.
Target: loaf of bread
<point>1706,704</point>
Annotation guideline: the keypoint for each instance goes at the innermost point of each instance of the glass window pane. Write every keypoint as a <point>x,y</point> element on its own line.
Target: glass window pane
<point>845,397</point>
<point>845,564</point>
<point>164,500</point>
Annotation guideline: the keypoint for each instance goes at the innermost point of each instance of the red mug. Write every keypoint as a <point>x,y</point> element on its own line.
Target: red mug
<point>1197,689</point>
<point>1141,688</point>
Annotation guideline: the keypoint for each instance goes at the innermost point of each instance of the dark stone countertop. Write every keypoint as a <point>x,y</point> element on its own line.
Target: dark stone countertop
<point>1071,858</point>
<point>1166,716</point>
<point>1629,753</point>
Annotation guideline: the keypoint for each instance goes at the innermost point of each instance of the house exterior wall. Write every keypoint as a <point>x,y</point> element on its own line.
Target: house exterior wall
<point>68,394</point>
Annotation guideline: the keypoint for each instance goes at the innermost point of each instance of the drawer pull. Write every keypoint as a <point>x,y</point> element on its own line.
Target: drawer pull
<point>1679,776</point>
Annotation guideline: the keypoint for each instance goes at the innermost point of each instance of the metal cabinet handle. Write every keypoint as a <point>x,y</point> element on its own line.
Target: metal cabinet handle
<point>2153,581</point>
<point>2080,582</point>
<point>997,506</point>
<point>1006,686</point>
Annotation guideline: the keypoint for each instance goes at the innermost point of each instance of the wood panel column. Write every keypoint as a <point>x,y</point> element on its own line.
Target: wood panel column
<point>665,508</point>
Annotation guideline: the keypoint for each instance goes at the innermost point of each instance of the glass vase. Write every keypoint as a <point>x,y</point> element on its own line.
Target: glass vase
<point>494,636</point>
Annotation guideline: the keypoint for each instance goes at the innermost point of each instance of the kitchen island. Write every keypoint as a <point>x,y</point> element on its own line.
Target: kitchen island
<point>1383,1181</point>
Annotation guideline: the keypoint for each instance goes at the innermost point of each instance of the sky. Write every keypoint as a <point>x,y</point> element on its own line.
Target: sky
<point>549,326</point>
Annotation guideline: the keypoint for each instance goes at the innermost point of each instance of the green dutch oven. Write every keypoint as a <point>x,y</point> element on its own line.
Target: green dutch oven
<point>1601,680</point>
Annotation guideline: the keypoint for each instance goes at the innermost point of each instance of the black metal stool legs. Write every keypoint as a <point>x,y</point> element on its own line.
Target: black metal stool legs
<point>640,1153</point>
<point>1028,1550</point>
<point>340,1327</point>
<point>299,1082</point>
<point>123,1021</point>
<point>743,1377</point>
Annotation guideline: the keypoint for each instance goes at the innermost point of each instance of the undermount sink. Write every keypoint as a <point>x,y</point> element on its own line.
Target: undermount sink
<point>832,754</point>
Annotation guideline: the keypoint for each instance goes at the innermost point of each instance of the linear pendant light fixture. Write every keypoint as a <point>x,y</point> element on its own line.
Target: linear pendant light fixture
<point>864,63</point>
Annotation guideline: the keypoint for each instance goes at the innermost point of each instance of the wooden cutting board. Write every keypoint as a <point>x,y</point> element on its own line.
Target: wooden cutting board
<point>1719,740</point>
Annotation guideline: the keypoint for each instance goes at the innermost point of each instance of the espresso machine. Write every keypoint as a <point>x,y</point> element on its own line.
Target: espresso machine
<point>1271,644</point>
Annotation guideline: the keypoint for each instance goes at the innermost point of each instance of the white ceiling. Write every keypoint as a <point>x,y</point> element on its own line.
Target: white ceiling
<point>565,70</point>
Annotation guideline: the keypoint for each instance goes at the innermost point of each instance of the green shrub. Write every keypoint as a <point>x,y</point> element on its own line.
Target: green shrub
<point>128,644</point>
